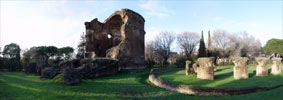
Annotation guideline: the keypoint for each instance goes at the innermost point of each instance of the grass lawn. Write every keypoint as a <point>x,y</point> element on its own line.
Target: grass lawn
<point>21,86</point>
<point>223,78</point>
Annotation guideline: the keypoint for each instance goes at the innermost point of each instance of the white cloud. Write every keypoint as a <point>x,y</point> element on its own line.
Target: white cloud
<point>31,27</point>
<point>38,30</point>
<point>218,18</point>
<point>154,8</point>
<point>151,33</point>
<point>254,25</point>
<point>37,23</point>
<point>195,14</point>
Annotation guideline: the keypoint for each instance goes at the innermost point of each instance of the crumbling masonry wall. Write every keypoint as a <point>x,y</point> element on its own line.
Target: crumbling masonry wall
<point>121,36</point>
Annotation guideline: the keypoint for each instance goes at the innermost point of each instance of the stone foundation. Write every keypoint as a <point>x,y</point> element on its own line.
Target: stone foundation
<point>261,68</point>
<point>276,66</point>
<point>240,68</point>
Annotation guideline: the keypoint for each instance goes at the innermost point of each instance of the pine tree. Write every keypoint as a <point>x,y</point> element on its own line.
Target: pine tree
<point>202,50</point>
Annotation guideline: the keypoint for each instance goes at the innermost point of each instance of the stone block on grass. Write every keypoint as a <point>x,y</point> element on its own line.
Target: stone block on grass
<point>276,66</point>
<point>261,68</point>
<point>240,68</point>
<point>206,68</point>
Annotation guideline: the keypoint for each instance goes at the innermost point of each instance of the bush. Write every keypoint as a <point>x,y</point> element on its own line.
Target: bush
<point>181,62</point>
<point>58,78</point>
<point>156,66</point>
<point>150,63</point>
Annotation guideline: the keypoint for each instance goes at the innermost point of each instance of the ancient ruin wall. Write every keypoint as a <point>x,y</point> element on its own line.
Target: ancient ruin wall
<point>121,36</point>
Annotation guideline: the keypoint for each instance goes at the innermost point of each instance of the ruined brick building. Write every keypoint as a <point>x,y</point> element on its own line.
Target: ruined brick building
<point>120,36</point>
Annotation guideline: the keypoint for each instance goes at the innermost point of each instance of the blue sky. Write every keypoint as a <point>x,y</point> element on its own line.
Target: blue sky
<point>60,23</point>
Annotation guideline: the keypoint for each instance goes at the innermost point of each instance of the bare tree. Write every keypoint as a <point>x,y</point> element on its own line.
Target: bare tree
<point>221,41</point>
<point>188,41</point>
<point>235,46</point>
<point>244,44</point>
<point>149,52</point>
<point>81,47</point>
<point>163,44</point>
<point>239,44</point>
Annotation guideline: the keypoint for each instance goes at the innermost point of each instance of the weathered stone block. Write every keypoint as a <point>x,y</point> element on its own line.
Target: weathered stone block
<point>261,68</point>
<point>90,67</point>
<point>98,67</point>
<point>41,63</point>
<point>189,70</point>
<point>195,67</point>
<point>31,68</point>
<point>70,76</point>
<point>48,72</point>
<point>240,68</point>
<point>214,68</point>
<point>276,66</point>
<point>206,68</point>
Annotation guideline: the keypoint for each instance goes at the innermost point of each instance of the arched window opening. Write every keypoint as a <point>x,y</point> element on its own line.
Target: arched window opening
<point>109,36</point>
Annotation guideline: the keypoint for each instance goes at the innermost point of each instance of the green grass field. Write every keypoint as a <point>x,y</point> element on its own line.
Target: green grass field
<point>223,78</point>
<point>21,86</point>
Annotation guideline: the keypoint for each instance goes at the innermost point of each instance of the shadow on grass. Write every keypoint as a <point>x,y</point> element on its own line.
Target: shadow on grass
<point>21,91</point>
<point>269,70</point>
<point>223,76</point>
<point>267,95</point>
<point>222,69</point>
<point>253,80</point>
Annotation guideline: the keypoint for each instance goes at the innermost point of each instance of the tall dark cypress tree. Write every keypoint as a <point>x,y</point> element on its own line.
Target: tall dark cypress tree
<point>202,50</point>
<point>208,45</point>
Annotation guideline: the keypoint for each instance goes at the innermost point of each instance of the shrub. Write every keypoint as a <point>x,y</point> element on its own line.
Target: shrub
<point>58,78</point>
<point>181,62</point>
<point>156,66</point>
